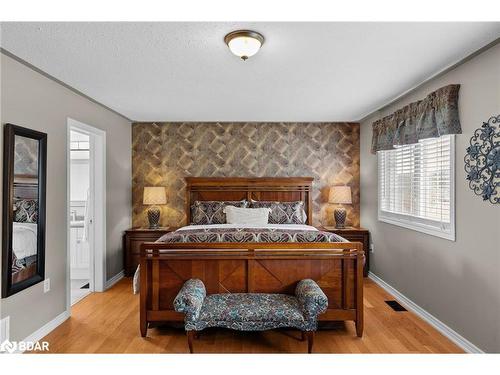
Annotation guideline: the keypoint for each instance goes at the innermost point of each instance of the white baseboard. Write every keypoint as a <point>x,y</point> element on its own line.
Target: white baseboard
<point>46,329</point>
<point>459,340</point>
<point>74,301</point>
<point>120,275</point>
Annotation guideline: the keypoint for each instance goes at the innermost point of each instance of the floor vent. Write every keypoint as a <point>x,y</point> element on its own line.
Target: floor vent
<point>395,306</point>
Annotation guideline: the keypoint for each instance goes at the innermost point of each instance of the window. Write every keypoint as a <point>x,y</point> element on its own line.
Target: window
<point>416,186</point>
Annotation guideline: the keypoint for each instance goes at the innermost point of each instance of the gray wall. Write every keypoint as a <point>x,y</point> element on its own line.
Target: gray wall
<point>29,99</point>
<point>457,282</point>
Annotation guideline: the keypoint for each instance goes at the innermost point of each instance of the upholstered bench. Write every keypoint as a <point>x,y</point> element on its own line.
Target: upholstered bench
<point>251,311</point>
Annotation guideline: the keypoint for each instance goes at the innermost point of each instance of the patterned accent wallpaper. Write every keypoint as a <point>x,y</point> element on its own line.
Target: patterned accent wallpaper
<point>164,153</point>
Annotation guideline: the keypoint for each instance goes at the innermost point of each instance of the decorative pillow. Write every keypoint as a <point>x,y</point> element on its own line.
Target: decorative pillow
<point>253,216</point>
<point>211,212</point>
<point>284,212</point>
<point>26,211</point>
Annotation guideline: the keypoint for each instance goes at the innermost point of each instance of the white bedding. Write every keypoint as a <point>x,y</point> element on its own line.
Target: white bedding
<point>24,239</point>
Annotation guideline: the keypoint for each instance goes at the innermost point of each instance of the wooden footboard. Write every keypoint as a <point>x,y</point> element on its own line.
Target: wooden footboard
<point>251,267</point>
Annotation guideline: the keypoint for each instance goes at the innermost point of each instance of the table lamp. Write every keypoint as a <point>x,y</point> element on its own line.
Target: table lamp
<point>154,196</point>
<point>340,195</point>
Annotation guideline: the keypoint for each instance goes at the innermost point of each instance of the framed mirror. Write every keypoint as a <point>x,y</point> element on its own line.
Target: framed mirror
<point>23,217</point>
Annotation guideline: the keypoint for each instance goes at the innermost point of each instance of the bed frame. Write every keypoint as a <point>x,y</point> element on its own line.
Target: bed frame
<point>251,267</point>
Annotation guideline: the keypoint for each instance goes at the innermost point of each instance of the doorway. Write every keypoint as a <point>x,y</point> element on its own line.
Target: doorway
<point>86,211</point>
<point>81,217</point>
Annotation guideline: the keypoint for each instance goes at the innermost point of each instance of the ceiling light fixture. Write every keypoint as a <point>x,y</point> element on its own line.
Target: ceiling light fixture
<point>244,43</point>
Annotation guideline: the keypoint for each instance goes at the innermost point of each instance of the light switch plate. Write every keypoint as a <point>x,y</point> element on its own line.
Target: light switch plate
<point>46,285</point>
<point>372,248</point>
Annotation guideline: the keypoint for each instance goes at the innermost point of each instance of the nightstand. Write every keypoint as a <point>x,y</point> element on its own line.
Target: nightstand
<point>132,240</point>
<point>356,235</point>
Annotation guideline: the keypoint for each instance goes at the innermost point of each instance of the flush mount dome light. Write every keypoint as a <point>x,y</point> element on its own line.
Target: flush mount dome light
<point>244,43</point>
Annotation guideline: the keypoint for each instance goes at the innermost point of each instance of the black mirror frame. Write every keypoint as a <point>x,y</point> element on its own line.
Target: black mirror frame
<point>10,131</point>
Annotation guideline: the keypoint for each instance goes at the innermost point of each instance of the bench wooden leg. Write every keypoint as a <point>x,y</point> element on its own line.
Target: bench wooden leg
<point>144,328</point>
<point>310,341</point>
<point>190,336</point>
<point>359,328</point>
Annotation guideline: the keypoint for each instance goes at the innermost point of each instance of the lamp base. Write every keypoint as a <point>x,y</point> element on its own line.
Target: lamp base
<point>154,217</point>
<point>340,215</point>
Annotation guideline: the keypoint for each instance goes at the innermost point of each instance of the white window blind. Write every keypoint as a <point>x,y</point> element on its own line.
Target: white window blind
<point>416,186</point>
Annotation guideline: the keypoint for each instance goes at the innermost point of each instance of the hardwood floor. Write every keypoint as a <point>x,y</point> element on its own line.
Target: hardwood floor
<point>109,323</point>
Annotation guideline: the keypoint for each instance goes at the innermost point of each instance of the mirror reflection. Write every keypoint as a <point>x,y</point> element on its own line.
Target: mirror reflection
<point>25,209</point>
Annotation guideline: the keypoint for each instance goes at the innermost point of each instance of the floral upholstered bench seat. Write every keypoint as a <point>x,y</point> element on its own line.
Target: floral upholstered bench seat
<point>251,311</point>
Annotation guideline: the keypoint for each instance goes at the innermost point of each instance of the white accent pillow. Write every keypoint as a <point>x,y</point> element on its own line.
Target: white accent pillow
<point>253,216</point>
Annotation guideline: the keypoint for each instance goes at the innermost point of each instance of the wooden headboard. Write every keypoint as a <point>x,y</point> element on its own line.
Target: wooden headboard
<point>281,189</point>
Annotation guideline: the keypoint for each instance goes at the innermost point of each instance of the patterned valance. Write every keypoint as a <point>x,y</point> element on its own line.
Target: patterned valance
<point>434,116</point>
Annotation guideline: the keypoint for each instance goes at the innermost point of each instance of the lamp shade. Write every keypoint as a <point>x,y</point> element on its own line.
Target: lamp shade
<point>340,195</point>
<point>154,195</point>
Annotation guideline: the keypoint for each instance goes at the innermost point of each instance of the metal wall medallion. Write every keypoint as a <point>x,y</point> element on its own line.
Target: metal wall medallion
<point>482,161</point>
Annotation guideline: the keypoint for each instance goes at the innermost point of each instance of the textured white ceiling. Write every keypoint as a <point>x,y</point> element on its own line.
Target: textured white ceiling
<point>184,71</point>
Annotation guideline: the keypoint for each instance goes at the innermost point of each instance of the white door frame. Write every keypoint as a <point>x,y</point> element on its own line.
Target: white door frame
<point>97,167</point>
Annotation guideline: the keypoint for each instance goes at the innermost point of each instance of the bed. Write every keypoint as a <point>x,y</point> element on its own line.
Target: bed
<point>245,258</point>
<point>24,235</point>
